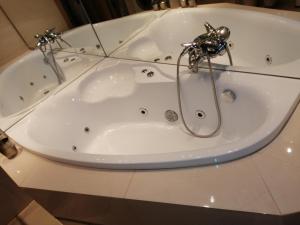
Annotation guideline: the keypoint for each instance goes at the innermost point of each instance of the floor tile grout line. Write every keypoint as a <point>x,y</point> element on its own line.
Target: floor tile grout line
<point>266,186</point>
<point>129,183</point>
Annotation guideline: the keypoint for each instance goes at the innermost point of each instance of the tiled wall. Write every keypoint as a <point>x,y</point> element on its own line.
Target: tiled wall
<point>29,17</point>
<point>11,45</point>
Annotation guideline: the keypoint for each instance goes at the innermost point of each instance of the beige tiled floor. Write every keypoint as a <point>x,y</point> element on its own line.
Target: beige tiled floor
<point>20,167</point>
<point>279,165</point>
<point>227,186</point>
<point>51,175</point>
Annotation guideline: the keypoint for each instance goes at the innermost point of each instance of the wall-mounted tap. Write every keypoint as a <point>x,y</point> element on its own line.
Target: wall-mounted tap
<point>204,47</point>
<point>44,43</point>
<point>54,36</point>
<point>208,45</point>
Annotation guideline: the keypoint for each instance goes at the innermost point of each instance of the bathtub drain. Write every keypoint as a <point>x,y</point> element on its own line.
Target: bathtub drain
<point>171,115</point>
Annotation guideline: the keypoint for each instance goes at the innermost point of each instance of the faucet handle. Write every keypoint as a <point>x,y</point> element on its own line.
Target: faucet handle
<point>188,44</point>
<point>209,28</point>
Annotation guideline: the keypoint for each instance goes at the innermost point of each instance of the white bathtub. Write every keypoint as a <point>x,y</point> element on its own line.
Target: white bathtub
<point>98,120</point>
<point>261,42</point>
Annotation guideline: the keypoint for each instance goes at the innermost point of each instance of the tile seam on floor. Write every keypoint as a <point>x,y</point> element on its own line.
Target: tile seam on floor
<point>266,186</point>
<point>129,184</point>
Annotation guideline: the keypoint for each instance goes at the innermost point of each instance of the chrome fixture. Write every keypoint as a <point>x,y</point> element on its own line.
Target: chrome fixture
<point>209,45</point>
<point>54,36</point>
<point>44,43</point>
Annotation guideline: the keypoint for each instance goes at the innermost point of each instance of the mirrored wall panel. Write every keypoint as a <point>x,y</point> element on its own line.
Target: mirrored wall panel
<point>241,35</point>
<point>63,20</point>
<point>59,45</point>
<point>118,21</point>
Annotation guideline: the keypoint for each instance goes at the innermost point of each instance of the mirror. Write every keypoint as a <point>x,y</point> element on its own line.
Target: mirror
<point>118,21</point>
<point>52,60</point>
<point>68,17</point>
<point>127,28</point>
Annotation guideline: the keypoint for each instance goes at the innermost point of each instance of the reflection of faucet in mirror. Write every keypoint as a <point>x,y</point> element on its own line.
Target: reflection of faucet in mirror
<point>46,40</point>
<point>54,36</point>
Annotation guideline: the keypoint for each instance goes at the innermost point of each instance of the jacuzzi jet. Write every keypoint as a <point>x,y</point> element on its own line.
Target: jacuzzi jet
<point>150,74</point>
<point>86,129</point>
<point>31,83</point>
<point>144,70</point>
<point>74,148</point>
<point>143,111</point>
<point>66,59</point>
<point>98,46</point>
<point>156,60</point>
<point>268,59</point>
<point>82,50</point>
<point>46,92</point>
<point>120,42</point>
<point>200,114</point>
<point>171,115</point>
<point>21,98</point>
<point>45,77</point>
<point>168,57</point>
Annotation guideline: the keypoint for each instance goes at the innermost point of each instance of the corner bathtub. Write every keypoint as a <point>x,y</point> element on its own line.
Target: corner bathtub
<point>114,117</point>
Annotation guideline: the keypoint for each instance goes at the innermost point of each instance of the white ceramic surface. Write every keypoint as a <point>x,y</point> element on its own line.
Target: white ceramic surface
<point>97,120</point>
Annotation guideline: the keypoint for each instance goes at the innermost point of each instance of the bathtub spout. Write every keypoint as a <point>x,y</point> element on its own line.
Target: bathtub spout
<point>44,42</point>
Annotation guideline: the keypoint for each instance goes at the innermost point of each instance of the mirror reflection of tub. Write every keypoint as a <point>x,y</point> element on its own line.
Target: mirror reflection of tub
<point>29,80</point>
<point>259,42</point>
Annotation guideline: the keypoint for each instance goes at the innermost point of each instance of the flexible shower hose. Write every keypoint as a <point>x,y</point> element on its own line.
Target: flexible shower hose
<point>217,105</point>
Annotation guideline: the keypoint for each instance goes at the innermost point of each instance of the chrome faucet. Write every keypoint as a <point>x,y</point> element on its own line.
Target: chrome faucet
<point>43,42</point>
<point>208,45</point>
<point>54,36</point>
